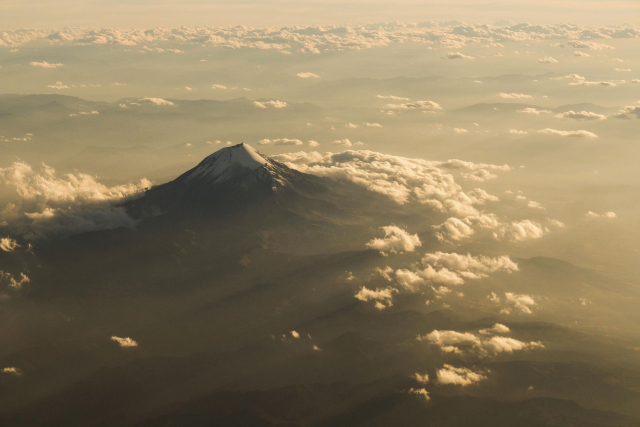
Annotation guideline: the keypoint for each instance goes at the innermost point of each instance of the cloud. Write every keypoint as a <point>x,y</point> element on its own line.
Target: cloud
<point>462,164</point>
<point>386,273</point>
<point>582,44</point>
<point>421,392</point>
<point>395,98</point>
<point>459,130</point>
<point>58,86</point>
<point>627,111</point>
<point>575,77</point>
<point>12,370</point>
<point>450,341</point>
<point>454,229</point>
<point>270,104</point>
<point>218,87</point>
<point>307,75</point>
<point>498,345</point>
<point>300,158</point>
<point>548,60</point>
<point>481,175</point>
<point>416,105</point>
<point>581,115</point>
<point>449,269</point>
<point>55,206</point>
<point>581,54</point>
<point>520,302</point>
<point>8,244</point>
<point>85,113</point>
<point>383,297</point>
<point>534,205</point>
<point>518,132</point>
<point>281,141</point>
<point>514,95</point>
<point>45,64</point>
<point>555,222</point>
<point>396,240</point>
<point>344,142</point>
<point>498,328</point>
<point>519,231</point>
<point>412,280</point>
<point>610,215</point>
<point>531,110</point>
<point>484,345</point>
<point>421,378</point>
<point>588,83</point>
<point>404,180</point>
<point>13,283</point>
<point>458,376</point>
<point>578,80</point>
<point>125,342</point>
<point>313,143</point>
<point>468,266</point>
<point>570,133</point>
<point>156,101</point>
<point>351,126</point>
<point>458,55</point>
<point>318,39</point>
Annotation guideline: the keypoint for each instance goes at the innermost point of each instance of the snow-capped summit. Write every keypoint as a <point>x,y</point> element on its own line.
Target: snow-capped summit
<point>226,162</point>
<point>232,176</point>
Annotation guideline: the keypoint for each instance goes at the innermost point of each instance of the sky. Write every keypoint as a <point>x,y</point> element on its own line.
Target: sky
<point>153,13</point>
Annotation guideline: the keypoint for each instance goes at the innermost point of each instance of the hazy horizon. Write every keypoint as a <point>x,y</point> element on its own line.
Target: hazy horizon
<point>158,13</point>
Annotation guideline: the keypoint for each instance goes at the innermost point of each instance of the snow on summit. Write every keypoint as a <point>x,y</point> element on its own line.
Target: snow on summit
<point>243,154</point>
<point>215,166</point>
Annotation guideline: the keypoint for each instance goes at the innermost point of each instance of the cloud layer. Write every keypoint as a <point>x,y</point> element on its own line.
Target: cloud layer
<point>53,205</point>
<point>325,38</point>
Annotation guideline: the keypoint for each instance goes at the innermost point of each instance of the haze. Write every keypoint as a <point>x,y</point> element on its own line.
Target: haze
<point>319,213</point>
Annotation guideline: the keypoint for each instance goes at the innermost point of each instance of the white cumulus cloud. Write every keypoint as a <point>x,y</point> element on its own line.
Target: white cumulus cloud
<point>307,75</point>
<point>514,95</point>
<point>580,115</point>
<point>569,133</point>
<point>416,105</point>
<point>459,376</point>
<point>156,101</point>
<point>458,55</point>
<point>124,342</point>
<point>51,205</point>
<point>280,141</point>
<point>8,244</point>
<point>270,104</point>
<point>395,240</point>
<point>45,64</point>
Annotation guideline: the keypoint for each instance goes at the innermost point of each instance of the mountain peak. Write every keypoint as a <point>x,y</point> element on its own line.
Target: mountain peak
<point>225,162</point>
<point>243,154</point>
<point>226,181</point>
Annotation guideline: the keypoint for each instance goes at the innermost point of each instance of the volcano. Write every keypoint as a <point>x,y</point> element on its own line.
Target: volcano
<point>230,181</point>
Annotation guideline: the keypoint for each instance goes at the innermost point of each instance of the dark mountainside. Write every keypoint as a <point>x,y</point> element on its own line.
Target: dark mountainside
<point>238,286</point>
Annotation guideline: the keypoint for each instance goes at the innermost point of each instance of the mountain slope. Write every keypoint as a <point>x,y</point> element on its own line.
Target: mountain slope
<point>229,180</point>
